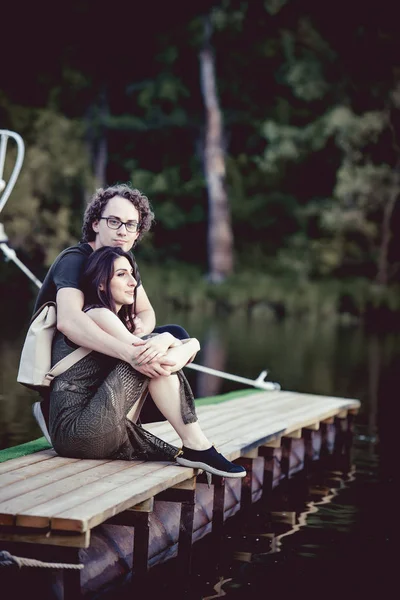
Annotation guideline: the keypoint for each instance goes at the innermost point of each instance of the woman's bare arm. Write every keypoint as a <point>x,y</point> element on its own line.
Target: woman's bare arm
<point>184,353</point>
<point>110,323</point>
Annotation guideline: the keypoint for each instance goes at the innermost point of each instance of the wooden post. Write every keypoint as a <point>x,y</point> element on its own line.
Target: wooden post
<point>218,507</point>
<point>185,494</point>
<point>285,461</point>
<point>138,517</point>
<point>309,454</point>
<point>269,455</point>
<point>186,534</point>
<point>246,492</point>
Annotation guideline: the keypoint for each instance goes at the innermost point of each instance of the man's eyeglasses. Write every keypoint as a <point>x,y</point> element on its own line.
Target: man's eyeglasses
<point>114,223</point>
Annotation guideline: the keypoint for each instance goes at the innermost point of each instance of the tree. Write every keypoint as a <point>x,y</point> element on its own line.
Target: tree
<point>220,238</point>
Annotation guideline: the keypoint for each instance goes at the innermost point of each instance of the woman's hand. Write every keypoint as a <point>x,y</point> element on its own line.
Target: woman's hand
<point>155,347</point>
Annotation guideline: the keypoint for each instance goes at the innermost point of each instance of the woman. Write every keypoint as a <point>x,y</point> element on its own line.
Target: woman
<point>95,405</point>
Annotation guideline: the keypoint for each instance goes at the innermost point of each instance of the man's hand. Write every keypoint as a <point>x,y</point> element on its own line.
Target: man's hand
<point>155,347</point>
<point>155,368</point>
<point>139,327</point>
<point>149,361</point>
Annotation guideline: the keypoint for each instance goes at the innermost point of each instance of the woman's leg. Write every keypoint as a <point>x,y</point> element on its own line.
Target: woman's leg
<point>150,413</point>
<point>166,395</point>
<point>133,414</point>
<point>197,452</point>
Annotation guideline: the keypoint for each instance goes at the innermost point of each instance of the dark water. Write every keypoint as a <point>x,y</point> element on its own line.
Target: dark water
<point>344,547</point>
<point>340,544</point>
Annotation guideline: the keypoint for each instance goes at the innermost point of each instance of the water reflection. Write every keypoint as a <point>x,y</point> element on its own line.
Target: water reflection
<point>214,353</point>
<point>320,533</point>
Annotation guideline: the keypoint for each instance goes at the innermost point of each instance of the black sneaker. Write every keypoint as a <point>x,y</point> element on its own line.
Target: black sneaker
<point>209,460</point>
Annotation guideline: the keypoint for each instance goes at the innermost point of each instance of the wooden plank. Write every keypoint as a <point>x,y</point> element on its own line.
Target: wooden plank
<point>251,430</point>
<point>17,483</point>
<point>275,443</point>
<point>53,488</point>
<point>295,434</point>
<point>134,515</point>
<point>96,510</point>
<point>219,432</point>
<point>251,423</point>
<point>188,484</point>
<point>251,454</point>
<point>23,461</point>
<point>313,426</point>
<point>77,540</point>
<point>300,415</point>
<point>74,491</point>
<point>232,449</point>
<point>219,414</point>
<point>231,427</point>
<point>145,506</point>
<point>328,421</point>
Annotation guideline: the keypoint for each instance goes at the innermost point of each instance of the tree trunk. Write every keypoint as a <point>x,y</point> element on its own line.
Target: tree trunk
<point>220,237</point>
<point>96,138</point>
<point>382,276</point>
<point>101,155</point>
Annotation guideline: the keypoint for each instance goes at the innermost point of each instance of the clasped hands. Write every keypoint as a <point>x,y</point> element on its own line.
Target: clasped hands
<point>151,356</point>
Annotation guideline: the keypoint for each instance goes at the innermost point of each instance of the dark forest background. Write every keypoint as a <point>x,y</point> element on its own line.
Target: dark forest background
<point>310,97</point>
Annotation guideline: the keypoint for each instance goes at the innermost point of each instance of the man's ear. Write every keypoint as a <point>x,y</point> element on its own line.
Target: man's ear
<point>95,226</point>
<point>101,288</point>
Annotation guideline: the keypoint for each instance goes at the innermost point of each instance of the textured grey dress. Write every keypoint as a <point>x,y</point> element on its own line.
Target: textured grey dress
<point>89,403</point>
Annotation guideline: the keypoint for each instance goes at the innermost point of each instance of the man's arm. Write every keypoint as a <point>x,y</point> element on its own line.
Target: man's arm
<point>81,330</point>
<point>145,315</point>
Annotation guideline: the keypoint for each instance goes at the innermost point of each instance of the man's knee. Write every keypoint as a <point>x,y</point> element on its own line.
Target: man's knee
<point>176,330</point>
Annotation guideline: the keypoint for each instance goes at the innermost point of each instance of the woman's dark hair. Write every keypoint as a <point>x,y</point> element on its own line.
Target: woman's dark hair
<point>98,203</point>
<point>98,272</point>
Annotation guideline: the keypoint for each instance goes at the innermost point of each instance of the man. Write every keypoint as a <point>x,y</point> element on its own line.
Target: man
<point>116,216</point>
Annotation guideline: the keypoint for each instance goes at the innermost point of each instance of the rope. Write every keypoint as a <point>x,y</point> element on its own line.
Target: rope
<point>8,560</point>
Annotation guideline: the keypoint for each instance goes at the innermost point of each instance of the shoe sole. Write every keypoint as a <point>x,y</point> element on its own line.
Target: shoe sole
<point>37,413</point>
<point>199,465</point>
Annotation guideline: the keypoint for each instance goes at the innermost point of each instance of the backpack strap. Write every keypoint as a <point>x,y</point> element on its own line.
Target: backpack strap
<point>65,363</point>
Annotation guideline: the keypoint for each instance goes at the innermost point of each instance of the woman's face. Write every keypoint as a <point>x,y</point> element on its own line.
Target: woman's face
<point>123,283</point>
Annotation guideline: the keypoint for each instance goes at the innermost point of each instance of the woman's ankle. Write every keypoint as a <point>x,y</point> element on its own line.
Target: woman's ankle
<point>196,444</point>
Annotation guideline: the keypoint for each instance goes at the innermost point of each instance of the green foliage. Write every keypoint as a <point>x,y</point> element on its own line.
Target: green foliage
<point>44,212</point>
<point>274,6</point>
<point>310,100</point>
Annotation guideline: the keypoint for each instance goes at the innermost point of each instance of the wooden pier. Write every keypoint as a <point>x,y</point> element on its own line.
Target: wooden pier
<point>63,510</point>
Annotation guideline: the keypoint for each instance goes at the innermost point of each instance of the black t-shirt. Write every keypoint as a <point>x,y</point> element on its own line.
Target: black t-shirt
<point>66,271</point>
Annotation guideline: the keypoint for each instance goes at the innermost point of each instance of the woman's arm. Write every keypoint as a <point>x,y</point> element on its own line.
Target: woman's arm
<point>184,353</point>
<point>148,350</point>
<point>84,331</point>
<point>145,315</point>
<point>110,323</point>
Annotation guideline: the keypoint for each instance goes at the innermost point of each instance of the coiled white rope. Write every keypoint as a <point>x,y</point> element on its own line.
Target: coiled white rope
<point>8,560</point>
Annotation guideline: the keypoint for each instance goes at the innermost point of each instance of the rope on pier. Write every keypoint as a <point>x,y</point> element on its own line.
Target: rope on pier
<point>8,560</point>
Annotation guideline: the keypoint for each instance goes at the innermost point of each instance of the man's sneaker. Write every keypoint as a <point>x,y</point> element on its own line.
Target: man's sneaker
<point>209,460</point>
<point>37,413</point>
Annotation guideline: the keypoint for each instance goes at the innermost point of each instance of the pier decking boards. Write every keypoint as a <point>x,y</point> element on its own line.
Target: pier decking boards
<point>47,500</point>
